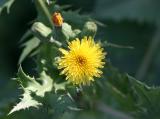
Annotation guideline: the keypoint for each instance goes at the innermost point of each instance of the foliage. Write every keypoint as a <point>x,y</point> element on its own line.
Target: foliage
<point>30,85</point>
<point>6,4</point>
<point>115,95</point>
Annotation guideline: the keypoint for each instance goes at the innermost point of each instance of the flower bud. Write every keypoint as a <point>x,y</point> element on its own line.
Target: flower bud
<point>89,29</point>
<point>57,19</point>
<point>40,30</point>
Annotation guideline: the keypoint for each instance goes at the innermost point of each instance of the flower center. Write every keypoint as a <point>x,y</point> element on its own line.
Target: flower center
<point>81,60</point>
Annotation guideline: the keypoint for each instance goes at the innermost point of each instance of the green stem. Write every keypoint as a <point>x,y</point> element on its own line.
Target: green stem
<point>44,8</point>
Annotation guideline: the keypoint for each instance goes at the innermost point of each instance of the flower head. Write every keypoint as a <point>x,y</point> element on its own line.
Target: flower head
<point>57,19</point>
<point>82,61</point>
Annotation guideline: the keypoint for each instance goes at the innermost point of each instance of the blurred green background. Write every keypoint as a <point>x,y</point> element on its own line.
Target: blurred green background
<point>133,23</point>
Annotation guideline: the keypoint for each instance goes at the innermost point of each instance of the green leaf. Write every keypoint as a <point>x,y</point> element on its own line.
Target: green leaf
<point>59,103</point>
<point>61,86</point>
<point>44,15</point>
<point>26,36</point>
<point>75,19</point>
<point>6,4</point>
<point>26,102</point>
<point>29,46</point>
<point>33,85</point>
<point>30,85</point>
<point>67,31</point>
<point>123,93</point>
<point>131,95</point>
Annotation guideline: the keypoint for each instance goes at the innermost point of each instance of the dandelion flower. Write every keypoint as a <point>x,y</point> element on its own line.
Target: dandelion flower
<point>82,61</point>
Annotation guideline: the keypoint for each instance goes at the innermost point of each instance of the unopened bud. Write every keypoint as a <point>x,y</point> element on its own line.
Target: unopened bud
<point>57,19</point>
<point>40,30</point>
<point>89,29</point>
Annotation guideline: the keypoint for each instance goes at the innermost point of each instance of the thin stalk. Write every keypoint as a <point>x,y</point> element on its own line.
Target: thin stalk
<point>44,8</point>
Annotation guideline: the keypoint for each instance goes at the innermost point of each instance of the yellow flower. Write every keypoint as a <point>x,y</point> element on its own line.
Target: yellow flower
<point>82,61</point>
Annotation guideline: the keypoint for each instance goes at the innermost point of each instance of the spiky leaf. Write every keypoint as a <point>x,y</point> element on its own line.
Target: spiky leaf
<point>26,102</point>
<point>6,4</point>
<point>131,95</point>
<point>30,85</point>
<point>29,46</point>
